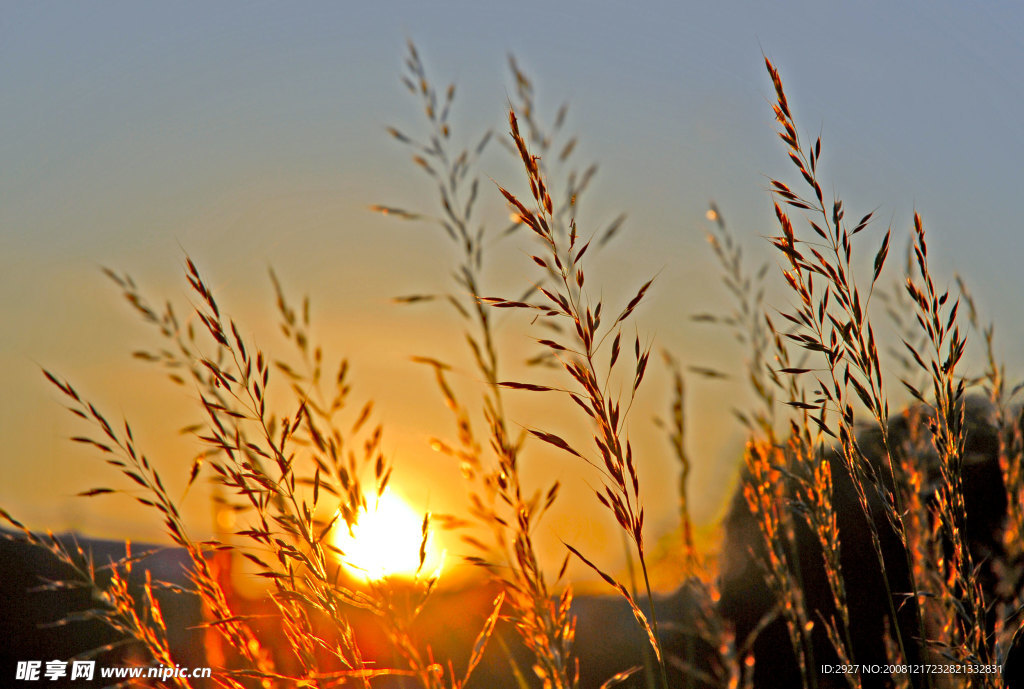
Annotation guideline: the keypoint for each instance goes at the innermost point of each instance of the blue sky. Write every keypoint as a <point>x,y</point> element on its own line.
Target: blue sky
<point>253,134</point>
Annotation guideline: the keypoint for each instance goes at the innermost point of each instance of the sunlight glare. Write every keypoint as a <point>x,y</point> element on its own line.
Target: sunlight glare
<point>385,541</point>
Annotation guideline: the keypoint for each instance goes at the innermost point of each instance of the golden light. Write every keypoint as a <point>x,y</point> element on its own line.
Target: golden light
<point>385,541</point>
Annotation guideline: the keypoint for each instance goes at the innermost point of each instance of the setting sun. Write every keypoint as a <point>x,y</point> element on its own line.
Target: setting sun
<point>385,541</point>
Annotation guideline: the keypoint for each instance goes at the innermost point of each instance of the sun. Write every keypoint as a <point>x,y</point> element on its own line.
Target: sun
<point>385,541</point>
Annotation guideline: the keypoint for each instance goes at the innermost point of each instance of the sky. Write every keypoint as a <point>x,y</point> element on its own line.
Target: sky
<point>245,136</point>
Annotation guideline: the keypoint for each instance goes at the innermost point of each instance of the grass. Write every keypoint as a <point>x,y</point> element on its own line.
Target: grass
<point>858,534</point>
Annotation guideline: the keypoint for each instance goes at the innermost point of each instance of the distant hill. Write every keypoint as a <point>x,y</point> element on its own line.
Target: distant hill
<point>34,610</point>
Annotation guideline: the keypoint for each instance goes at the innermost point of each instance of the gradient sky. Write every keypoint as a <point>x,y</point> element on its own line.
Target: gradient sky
<point>250,134</point>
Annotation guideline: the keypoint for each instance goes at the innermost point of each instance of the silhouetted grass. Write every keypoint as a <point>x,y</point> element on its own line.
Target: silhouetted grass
<point>836,488</point>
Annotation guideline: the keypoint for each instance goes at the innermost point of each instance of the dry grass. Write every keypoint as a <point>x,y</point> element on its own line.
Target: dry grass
<point>938,609</point>
<point>293,460</point>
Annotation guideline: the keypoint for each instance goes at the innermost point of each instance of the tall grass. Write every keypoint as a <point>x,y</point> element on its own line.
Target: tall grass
<point>293,459</point>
